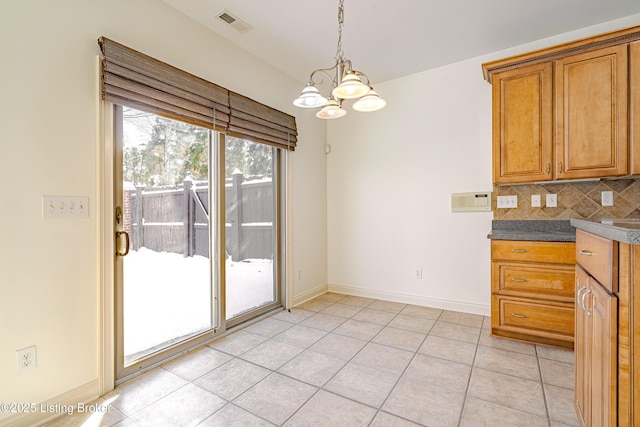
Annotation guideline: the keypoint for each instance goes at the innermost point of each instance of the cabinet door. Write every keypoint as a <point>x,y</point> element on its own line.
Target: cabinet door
<point>591,114</point>
<point>522,131</point>
<point>634,107</point>
<point>582,352</point>
<point>604,367</point>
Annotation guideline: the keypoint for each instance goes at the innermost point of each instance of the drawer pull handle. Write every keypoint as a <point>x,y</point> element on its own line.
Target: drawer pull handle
<point>520,316</point>
<point>520,251</point>
<point>516,279</point>
<point>585,252</point>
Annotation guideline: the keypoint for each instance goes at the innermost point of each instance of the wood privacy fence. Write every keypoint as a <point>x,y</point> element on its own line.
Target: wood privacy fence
<point>176,219</point>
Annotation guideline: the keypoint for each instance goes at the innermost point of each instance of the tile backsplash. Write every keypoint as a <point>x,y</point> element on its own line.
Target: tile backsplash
<point>575,200</point>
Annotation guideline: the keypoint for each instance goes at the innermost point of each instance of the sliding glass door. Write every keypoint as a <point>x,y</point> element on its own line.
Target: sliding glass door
<point>251,212</point>
<point>164,231</point>
<point>197,228</point>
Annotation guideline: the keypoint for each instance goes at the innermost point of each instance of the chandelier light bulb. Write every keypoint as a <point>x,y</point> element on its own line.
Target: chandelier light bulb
<point>370,102</point>
<point>351,87</point>
<point>310,97</point>
<point>331,110</point>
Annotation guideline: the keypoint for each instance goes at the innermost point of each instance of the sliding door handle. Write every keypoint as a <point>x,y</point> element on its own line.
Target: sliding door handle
<point>127,243</point>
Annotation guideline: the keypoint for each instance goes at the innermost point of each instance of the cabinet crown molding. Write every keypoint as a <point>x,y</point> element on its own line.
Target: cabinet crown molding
<point>558,51</point>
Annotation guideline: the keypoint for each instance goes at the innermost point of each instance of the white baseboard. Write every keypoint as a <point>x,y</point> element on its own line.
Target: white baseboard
<point>309,295</point>
<point>483,310</point>
<point>55,407</point>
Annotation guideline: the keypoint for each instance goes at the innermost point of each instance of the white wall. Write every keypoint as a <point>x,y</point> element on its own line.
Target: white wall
<point>49,274</point>
<point>390,176</point>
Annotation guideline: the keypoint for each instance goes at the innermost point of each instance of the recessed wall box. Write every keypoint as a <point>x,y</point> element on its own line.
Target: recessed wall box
<point>471,202</point>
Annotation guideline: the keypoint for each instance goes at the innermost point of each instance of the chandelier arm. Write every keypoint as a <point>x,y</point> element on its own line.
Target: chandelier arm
<point>346,64</point>
<point>361,75</point>
<point>324,71</point>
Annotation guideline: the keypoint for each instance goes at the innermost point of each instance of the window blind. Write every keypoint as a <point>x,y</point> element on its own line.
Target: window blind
<point>133,79</point>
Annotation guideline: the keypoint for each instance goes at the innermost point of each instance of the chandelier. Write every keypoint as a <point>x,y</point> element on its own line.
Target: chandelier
<point>346,83</point>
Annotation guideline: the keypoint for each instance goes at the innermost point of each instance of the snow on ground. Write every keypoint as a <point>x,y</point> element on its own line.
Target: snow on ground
<point>167,296</point>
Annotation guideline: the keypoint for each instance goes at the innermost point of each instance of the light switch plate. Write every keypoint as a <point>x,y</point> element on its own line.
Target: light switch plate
<point>552,200</point>
<point>64,206</point>
<point>607,198</point>
<point>507,202</point>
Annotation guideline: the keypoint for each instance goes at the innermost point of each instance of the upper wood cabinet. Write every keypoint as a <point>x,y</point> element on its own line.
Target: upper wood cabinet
<point>634,106</point>
<point>563,112</point>
<point>591,114</point>
<point>522,124</point>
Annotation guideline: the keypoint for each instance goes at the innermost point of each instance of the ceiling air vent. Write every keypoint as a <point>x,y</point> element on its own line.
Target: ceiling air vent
<point>233,21</point>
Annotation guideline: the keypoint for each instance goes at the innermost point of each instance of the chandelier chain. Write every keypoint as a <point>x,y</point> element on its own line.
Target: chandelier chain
<point>339,52</point>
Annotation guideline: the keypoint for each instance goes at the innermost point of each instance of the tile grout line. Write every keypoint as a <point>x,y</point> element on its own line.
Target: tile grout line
<point>369,341</point>
<point>544,390</point>
<point>405,370</point>
<point>326,382</point>
<point>473,366</point>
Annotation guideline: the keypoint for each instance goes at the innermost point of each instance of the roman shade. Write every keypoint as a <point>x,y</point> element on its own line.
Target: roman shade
<point>133,79</point>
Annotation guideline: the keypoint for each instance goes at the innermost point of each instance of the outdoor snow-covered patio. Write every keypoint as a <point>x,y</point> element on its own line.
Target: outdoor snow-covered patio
<point>168,296</point>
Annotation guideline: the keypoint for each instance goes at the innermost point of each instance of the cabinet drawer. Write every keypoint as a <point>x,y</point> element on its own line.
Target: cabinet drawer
<point>544,281</point>
<point>599,257</point>
<point>525,251</point>
<point>534,318</point>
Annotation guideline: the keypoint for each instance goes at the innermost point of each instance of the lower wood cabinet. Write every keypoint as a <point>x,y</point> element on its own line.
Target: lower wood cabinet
<point>533,291</point>
<point>596,352</point>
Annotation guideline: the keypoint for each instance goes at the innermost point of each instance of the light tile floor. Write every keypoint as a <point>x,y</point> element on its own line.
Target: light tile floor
<point>349,361</point>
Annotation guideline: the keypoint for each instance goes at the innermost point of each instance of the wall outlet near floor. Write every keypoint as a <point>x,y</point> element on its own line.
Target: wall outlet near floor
<point>417,273</point>
<point>607,198</point>
<point>26,359</point>
<point>535,200</point>
<point>552,200</point>
<point>507,202</point>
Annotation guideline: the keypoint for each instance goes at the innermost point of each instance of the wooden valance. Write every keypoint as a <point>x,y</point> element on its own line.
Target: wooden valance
<point>136,80</point>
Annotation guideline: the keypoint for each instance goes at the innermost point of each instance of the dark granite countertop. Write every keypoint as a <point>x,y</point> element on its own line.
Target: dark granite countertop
<point>621,230</point>
<point>533,230</point>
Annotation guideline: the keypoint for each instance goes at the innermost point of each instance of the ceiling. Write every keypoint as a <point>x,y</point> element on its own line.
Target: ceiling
<point>391,39</point>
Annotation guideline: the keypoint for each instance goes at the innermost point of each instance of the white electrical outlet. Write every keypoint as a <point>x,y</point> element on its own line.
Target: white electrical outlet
<point>607,198</point>
<point>552,200</point>
<point>64,206</point>
<point>417,273</point>
<point>26,359</point>
<point>535,200</point>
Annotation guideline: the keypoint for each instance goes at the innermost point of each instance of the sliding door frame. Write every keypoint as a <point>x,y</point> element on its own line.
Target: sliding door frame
<point>105,220</point>
<point>123,373</point>
<point>279,228</point>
